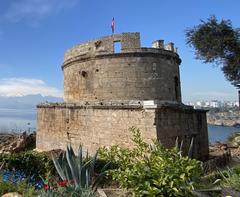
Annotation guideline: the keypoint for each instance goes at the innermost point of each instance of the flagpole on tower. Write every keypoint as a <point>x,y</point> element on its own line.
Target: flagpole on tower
<point>113,25</point>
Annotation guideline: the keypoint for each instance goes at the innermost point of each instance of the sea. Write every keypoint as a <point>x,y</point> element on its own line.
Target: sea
<point>17,120</point>
<point>220,133</point>
<point>25,120</point>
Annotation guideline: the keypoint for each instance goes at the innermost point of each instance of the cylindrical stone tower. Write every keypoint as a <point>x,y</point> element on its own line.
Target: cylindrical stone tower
<point>94,71</point>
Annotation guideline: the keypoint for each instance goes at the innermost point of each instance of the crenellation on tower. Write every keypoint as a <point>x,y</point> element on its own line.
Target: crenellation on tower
<point>159,44</point>
<point>169,47</point>
<point>105,45</point>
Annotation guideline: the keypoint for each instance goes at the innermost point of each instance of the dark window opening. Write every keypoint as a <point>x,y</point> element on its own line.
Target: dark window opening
<point>84,74</point>
<point>117,47</point>
<point>176,84</point>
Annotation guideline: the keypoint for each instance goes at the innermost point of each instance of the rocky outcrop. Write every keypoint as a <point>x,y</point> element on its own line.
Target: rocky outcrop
<point>14,143</point>
<point>229,118</point>
<point>234,140</point>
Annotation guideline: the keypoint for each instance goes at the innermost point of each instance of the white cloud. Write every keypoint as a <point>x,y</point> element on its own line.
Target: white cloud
<point>23,87</point>
<point>33,11</point>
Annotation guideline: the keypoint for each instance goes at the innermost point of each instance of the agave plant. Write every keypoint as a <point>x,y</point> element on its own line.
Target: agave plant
<point>230,178</point>
<point>179,148</point>
<point>79,170</point>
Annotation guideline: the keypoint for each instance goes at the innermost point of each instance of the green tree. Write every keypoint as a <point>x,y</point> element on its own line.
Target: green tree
<point>217,42</point>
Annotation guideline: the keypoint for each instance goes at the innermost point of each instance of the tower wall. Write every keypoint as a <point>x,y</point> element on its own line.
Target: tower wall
<point>106,124</point>
<point>93,71</point>
<point>131,76</point>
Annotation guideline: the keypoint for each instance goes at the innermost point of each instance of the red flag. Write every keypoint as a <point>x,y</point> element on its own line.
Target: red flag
<point>112,25</point>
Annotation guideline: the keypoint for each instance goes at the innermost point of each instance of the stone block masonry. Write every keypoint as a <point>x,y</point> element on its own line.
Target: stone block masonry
<point>92,71</point>
<point>107,123</point>
<point>107,92</point>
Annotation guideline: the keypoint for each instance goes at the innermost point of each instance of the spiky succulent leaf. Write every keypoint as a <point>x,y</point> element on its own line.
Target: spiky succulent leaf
<point>58,167</point>
<point>177,144</point>
<point>100,176</point>
<point>78,169</point>
<point>85,173</point>
<point>92,166</point>
<point>80,161</point>
<point>72,164</point>
<point>181,147</point>
<point>190,150</point>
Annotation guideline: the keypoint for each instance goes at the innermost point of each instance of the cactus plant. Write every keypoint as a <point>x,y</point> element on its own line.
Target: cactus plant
<point>78,169</point>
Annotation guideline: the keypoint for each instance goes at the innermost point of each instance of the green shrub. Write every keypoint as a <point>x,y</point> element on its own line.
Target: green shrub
<point>22,188</point>
<point>30,163</point>
<point>67,191</point>
<point>230,178</point>
<point>152,170</point>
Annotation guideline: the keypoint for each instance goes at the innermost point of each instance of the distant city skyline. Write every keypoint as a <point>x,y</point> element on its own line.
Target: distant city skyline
<point>214,104</point>
<point>34,34</point>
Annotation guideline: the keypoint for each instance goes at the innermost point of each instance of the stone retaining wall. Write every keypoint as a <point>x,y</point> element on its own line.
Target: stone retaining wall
<point>101,125</point>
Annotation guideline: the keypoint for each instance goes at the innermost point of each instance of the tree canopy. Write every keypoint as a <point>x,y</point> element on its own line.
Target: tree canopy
<point>217,42</point>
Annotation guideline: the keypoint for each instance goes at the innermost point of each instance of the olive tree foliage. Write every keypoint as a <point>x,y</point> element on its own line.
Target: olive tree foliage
<point>217,42</point>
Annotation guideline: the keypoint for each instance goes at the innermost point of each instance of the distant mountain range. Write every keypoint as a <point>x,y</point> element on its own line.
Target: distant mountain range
<point>26,102</point>
<point>17,113</point>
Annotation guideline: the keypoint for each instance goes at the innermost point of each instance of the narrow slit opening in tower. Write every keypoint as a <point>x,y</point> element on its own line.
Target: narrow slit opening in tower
<point>117,47</point>
<point>176,84</point>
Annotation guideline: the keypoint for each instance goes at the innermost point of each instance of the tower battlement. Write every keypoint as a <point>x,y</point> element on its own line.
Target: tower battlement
<point>129,43</point>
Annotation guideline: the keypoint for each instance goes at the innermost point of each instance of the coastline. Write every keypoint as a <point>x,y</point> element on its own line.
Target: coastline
<point>229,118</point>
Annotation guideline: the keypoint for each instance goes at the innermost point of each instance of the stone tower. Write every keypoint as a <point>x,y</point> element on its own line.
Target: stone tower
<point>107,91</point>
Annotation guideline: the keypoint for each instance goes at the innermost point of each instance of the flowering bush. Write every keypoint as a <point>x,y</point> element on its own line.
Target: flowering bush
<point>65,188</point>
<point>32,164</point>
<point>17,176</point>
<point>16,182</point>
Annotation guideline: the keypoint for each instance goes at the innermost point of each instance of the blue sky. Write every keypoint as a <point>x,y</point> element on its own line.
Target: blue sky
<point>34,34</point>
